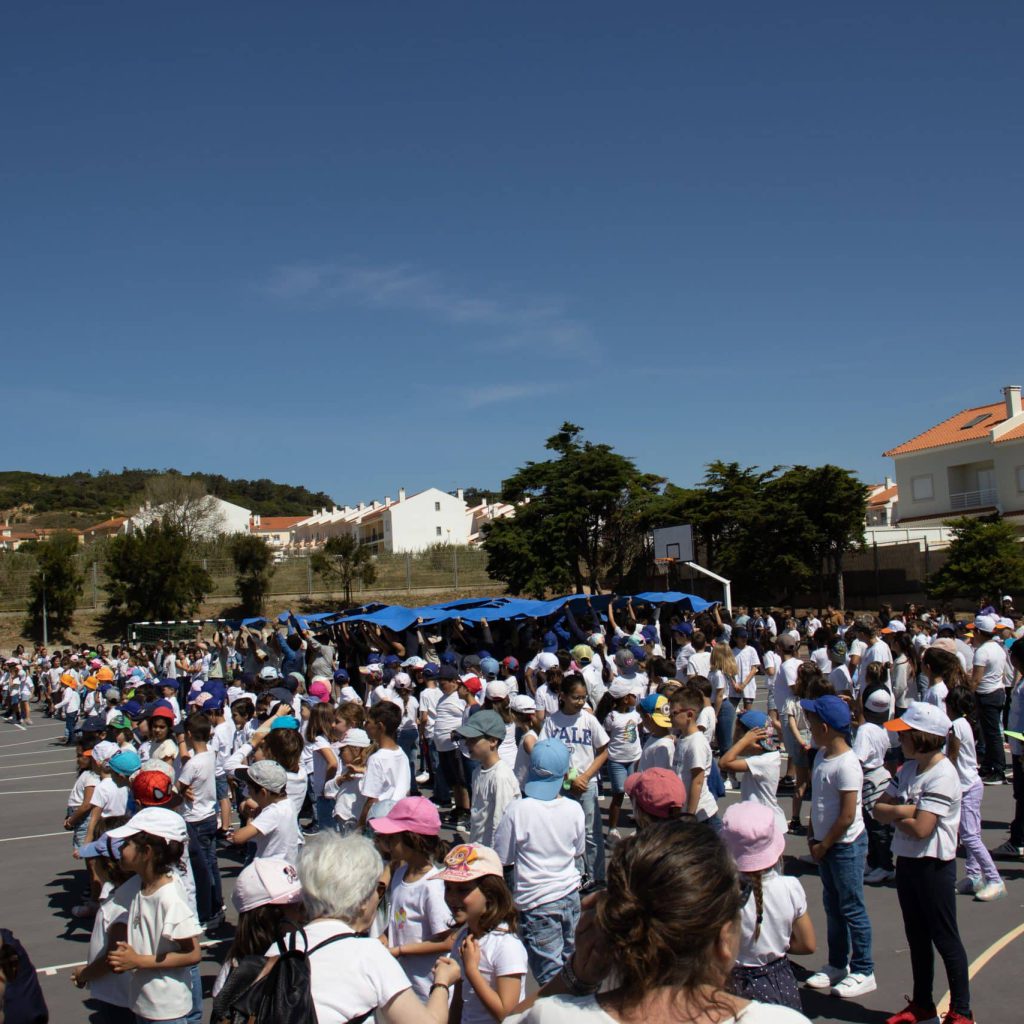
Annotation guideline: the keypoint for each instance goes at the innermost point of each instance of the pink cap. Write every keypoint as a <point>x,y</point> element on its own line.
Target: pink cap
<point>265,881</point>
<point>468,862</point>
<point>410,814</point>
<point>752,836</point>
<point>320,690</point>
<point>656,791</point>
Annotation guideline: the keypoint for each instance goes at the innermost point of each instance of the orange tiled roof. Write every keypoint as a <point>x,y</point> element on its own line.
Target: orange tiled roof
<point>273,524</point>
<point>1016,434</point>
<point>107,524</point>
<point>883,497</point>
<point>953,431</point>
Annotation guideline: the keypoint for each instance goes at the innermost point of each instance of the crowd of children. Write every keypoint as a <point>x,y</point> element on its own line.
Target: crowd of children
<point>883,731</point>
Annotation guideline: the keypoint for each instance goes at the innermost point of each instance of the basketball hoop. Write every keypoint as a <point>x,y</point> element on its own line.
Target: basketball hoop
<point>663,566</point>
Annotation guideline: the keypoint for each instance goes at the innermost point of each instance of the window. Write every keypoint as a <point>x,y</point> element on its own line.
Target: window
<point>922,488</point>
<point>438,531</point>
<point>1020,479</point>
<point>975,420</point>
<point>437,508</point>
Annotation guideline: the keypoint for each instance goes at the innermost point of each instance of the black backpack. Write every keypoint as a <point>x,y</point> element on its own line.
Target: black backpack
<point>283,995</point>
<point>23,1002</point>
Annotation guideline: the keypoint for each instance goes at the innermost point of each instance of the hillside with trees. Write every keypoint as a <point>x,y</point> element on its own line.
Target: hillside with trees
<point>81,498</point>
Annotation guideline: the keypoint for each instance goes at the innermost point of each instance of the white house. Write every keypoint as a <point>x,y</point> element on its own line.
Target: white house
<point>275,530</point>
<point>969,464</point>
<point>410,523</point>
<point>223,517</point>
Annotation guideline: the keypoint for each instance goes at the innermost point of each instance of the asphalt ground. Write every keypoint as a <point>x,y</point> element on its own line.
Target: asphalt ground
<point>41,882</point>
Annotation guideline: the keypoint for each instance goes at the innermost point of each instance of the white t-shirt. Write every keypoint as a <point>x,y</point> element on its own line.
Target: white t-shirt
<point>623,728</point>
<point>546,699</point>
<point>110,987</point>
<point>296,789</point>
<point>938,791</point>
<point>278,830</point>
<point>586,1010</point>
<point>410,713</point>
<point>200,773</point>
<point>699,664</point>
<point>387,776</point>
<point>223,743</point>
<point>542,838</point>
<point>493,790</point>
<point>155,924</point>
<point>747,659</point>
<point>683,656</point>
<point>841,680</point>
<point>447,718</point>
<point>878,651</point>
<point>785,680</point>
<point>707,720</point>
<point>833,776</point>
<point>991,658</point>
<point>351,977</point>
<point>501,954</point>
<point>320,763</point>
<point>428,702</point>
<point>936,694</point>
<point>820,658</point>
<point>82,783</point>
<point>856,649</point>
<point>693,752</point>
<point>594,678</point>
<point>418,914</point>
<point>783,900</point>
<point>348,804</point>
<point>967,758</point>
<point>522,766</point>
<point>721,683</point>
<point>507,749</point>
<point>582,733</point>
<point>871,743</point>
<point>110,798</point>
<point>658,753</point>
<point>760,781</point>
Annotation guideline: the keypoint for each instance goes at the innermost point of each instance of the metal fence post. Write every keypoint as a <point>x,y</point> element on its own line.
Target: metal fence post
<point>95,587</point>
<point>408,570</point>
<point>309,576</point>
<point>455,566</point>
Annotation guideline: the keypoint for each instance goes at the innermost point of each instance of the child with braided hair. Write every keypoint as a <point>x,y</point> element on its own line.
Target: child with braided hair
<point>773,920</point>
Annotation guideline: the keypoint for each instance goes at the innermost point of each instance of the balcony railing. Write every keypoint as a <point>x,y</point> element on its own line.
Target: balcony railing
<point>973,499</point>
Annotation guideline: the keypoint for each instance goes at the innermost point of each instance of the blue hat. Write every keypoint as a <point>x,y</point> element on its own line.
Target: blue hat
<point>833,711</point>
<point>482,655</point>
<point>374,658</point>
<point>549,761</point>
<point>448,658</point>
<point>489,666</point>
<point>430,671</point>
<point>125,762</point>
<point>740,633</point>
<point>102,847</point>
<point>284,722</point>
<point>392,659</point>
<point>448,672</point>
<point>550,641</point>
<point>341,676</point>
<point>173,683</point>
<point>683,627</point>
<point>133,709</point>
<point>753,719</point>
<point>650,634</point>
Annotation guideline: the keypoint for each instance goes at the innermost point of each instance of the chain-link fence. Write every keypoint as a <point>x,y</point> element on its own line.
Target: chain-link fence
<point>442,568</point>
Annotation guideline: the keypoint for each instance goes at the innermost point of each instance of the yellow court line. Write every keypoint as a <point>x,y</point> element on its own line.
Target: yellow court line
<point>994,950</point>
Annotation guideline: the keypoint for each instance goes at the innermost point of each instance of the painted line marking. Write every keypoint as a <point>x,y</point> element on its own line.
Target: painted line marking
<point>54,968</point>
<point>38,835</point>
<point>23,743</point>
<point>35,753</point>
<point>32,778</point>
<point>34,764</point>
<point>26,792</point>
<point>994,950</point>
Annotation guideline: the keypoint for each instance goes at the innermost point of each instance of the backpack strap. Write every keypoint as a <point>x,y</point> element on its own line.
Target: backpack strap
<point>333,938</point>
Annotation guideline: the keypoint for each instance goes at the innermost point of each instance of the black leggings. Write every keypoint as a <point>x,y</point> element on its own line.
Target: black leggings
<point>927,894</point>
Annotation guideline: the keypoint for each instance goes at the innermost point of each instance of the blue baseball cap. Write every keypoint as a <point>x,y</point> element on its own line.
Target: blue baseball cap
<point>549,761</point>
<point>341,676</point>
<point>125,762</point>
<point>448,658</point>
<point>833,711</point>
<point>133,709</point>
<point>550,641</point>
<point>284,722</point>
<point>753,720</point>
<point>102,847</point>
<point>430,671</point>
<point>649,633</point>
<point>392,659</point>
<point>683,627</point>
<point>489,666</point>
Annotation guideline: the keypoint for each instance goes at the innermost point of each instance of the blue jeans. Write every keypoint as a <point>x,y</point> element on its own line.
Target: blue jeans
<point>70,721</point>
<point>409,740</point>
<point>618,772</point>
<point>848,924</point>
<point>594,855</point>
<point>549,934</point>
<point>202,851</point>
<point>442,791</point>
<point>325,814</point>
<point>726,724</point>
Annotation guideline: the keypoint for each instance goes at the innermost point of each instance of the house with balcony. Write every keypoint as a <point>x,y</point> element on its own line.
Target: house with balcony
<point>969,464</point>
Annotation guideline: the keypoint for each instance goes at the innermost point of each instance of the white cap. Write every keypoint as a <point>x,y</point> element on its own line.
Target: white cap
<point>620,688</point>
<point>923,717</point>
<point>414,662</point>
<point>898,626</point>
<point>356,738</point>
<point>264,882</point>
<point>985,623</point>
<point>401,679</point>
<point>154,821</point>
<point>103,751</point>
<point>878,701</point>
<point>523,703</point>
<point>546,660</point>
<point>497,690</point>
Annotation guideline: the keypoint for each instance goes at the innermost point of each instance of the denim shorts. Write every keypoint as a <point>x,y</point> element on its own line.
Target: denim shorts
<point>223,789</point>
<point>618,772</point>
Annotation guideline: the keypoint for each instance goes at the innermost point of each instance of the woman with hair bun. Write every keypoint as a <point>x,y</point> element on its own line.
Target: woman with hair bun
<point>661,940</point>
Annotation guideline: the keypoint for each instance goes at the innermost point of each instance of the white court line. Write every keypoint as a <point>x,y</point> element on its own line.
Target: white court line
<point>26,792</point>
<point>25,743</point>
<point>40,835</point>
<point>33,764</point>
<point>52,970</point>
<point>42,775</point>
<point>58,748</point>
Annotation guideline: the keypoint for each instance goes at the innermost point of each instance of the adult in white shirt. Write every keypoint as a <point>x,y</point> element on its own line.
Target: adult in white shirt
<point>987,682</point>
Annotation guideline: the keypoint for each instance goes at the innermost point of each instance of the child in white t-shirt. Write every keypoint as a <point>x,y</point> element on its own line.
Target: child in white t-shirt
<point>617,713</point>
<point>659,748</point>
<point>544,836</point>
<point>872,744</point>
<point>494,784</point>
<point>275,828</point>
<point>344,787</point>
<point>419,921</point>
<point>774,921</point>
<point>692,761</point>
<point>387,777</point>
<point>756,760</point>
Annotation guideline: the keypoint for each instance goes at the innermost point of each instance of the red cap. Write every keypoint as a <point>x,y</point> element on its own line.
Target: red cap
<point>162,713</point>
<point>471,683</point>
<point>656,791</point>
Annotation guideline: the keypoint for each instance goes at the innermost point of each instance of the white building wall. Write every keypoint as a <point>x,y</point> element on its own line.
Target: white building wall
<point>416,522</point>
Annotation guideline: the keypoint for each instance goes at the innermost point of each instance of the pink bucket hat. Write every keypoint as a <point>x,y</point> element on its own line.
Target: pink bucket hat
<point>469,862</point>
<point>752,836</point>
<point>410,814</point>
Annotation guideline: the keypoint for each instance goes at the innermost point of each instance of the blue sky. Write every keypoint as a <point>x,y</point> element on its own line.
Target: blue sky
<point>359,246</point>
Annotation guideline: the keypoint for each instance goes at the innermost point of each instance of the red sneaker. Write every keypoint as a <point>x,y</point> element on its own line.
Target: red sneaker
<point>956,1018</point>
<point>914,1014</point>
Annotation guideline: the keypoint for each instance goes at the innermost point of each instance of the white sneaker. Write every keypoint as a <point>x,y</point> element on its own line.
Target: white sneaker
<point>879,876</point>
<point>827,977</point>
<point>990,891</point>
<point>967,886</point>
<point>422,778</point>
<point>728,784</point>
<point>854,985</point>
